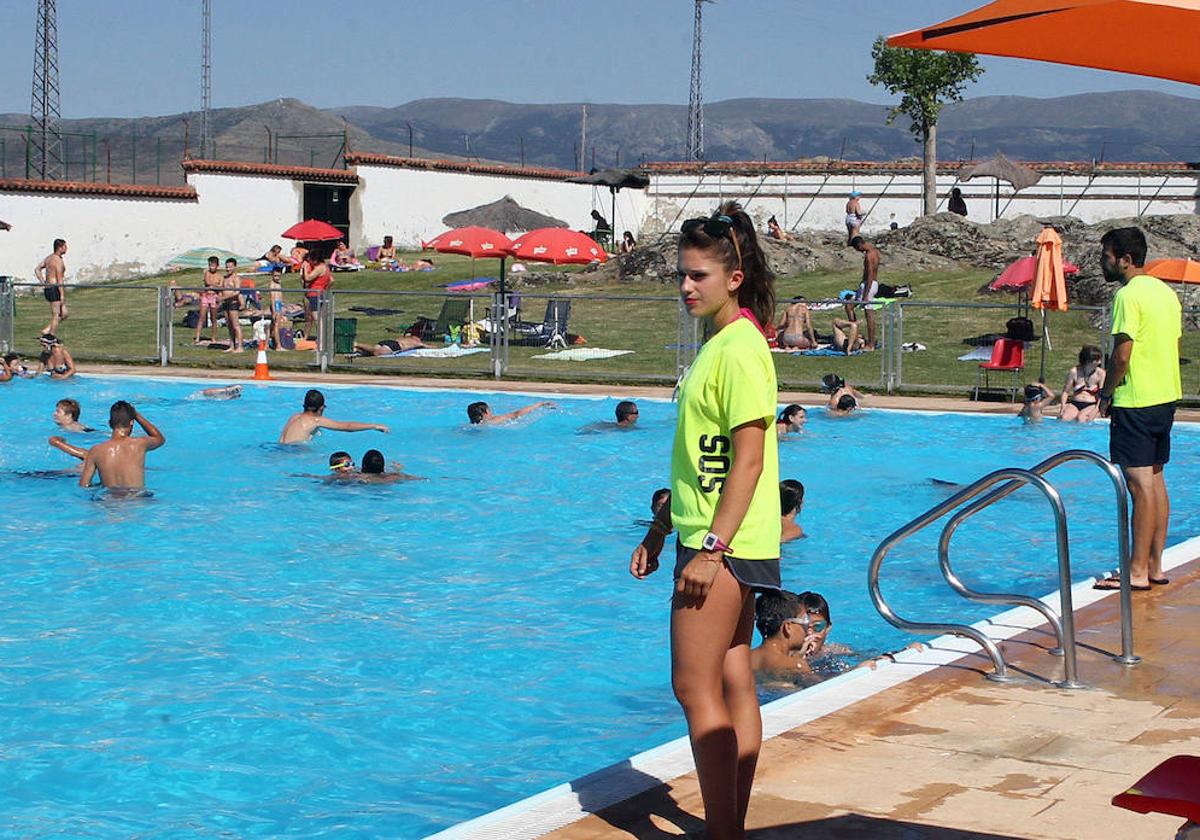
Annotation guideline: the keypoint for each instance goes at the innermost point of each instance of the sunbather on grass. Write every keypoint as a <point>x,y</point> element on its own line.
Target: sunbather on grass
<point>388,346</point>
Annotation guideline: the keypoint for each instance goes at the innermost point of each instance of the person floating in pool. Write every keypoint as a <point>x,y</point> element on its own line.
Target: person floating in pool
<point>790,420</point>
<point>228,392</point>
<point>66,416</point>
<point>627,417</point>
<point>388,346</point>
<point>791,499</point>
<point>1037,397</point>
<point>302,426</point>
<point>121,460</point>
<point>480,413</point>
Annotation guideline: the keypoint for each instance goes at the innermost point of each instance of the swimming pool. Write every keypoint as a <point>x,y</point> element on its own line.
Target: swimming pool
<point>254,652</point>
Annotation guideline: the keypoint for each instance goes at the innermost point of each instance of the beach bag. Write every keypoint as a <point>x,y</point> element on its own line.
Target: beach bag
<point>1020,329</point>
<point>191,318</point>
<point>902,291</point>
<point>287,339</point>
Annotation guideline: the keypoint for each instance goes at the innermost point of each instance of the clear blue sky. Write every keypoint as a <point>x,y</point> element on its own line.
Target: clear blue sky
<point>141,57</point>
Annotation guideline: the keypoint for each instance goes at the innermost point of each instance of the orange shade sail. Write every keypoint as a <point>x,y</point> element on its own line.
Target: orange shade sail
<point>1174,271</point>
<point>1049,285</point>
<point>1144,37</point>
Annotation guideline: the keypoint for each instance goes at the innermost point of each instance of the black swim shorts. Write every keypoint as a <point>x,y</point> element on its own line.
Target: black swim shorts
<point>759,575</point>
<point>1141,437</point>
<point>53,294</point>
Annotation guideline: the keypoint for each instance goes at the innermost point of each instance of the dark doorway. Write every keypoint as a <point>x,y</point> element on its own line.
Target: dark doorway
<point>329,204</point>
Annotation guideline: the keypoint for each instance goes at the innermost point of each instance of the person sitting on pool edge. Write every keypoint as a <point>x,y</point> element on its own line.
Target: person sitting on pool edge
<point>121,460</point>
<point>302,426</point>
<point>793,629</point>
<point>388,346</point>
<point>791,499</point>
<point>480,413</point>
<point>1037,397</point>
<point>791,419</point>
<point>66,416</point>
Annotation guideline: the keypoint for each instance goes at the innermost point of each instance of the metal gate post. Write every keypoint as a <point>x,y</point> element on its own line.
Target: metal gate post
<point>165,333</point>
<point>7,314</point>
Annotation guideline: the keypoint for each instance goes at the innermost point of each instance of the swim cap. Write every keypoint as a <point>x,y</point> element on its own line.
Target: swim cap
<point>855,193</point>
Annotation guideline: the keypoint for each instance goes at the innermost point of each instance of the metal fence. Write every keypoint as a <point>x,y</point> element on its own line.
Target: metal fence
<point>923,346</point>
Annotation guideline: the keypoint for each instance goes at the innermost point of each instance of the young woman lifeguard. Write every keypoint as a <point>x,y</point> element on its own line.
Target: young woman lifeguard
<point>725,507</point>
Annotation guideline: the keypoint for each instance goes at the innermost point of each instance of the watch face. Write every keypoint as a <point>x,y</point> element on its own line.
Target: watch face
<point>710,542</point>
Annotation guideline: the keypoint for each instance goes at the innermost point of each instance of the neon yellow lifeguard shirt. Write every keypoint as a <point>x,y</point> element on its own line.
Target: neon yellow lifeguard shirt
<point>731,382</point>
<point>1147,310</point>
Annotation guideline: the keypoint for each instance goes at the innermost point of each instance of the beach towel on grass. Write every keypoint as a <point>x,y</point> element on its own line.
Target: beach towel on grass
<point>582,354</point>
<point>825,351</point>
<point>979,354</point>
<point>450,351</point>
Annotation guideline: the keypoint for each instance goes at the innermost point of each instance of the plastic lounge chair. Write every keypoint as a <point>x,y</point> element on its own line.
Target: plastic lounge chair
<point>1173,787</point>
<point>552,332</point>
<point>455,312</point>
<point>1008,355</point>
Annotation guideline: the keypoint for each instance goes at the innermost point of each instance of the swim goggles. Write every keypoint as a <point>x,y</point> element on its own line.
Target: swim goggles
<point>717,227</point>
<point>811,626</point>
<point>341,466</point>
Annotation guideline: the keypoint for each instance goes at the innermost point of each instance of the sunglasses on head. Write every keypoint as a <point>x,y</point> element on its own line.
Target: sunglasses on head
<point>718,227</point>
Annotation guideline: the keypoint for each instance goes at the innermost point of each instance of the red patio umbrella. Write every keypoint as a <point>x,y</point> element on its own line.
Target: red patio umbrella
<point>1174,270</point>
<point>561,246</point>
<point>1020,275</point>
<point>474,242</point>
<point>312,230</point>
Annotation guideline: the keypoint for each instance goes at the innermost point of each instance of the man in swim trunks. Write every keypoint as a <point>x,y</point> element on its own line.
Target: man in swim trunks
<point>854,215</point>
<point>480,413</point>
<point>796,326</point>
<point>121,460</point>
<point>388,346</point>
<point>66,416</point>
<point>302,426</point>
<point>51,273</point>
<point>869,287</point>
<point>231,304</point>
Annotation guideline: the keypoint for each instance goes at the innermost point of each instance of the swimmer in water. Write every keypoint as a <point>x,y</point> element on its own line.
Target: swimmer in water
<point>229,392</point>
<point>302,426</point>
<point>66,416</point>
<point>627,417</point>
<point>791,499</point>
<point>844,401</point>
<point>121,460</point>
<point>793,628</point>
<point>1037,397</point>
<point>480,413</point>
<point>374,469</point>
<point>790,420</point>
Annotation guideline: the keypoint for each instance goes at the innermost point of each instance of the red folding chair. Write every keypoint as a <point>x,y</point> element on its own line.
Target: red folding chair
<point>1172,787</point>
<point>1008,354</point>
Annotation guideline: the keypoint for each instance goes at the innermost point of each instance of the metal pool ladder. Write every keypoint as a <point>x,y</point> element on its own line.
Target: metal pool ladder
<point>983,493</point>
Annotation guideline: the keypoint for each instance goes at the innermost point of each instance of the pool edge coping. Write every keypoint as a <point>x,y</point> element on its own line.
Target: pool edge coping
<point>561,805</point>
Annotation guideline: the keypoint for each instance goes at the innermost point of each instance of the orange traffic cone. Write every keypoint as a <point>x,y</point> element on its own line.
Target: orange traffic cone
<point>261,371</point>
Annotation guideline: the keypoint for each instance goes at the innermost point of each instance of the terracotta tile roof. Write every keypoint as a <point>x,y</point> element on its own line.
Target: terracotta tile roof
<point>274,170</point>
<point>91,188</point>
<point>536,172</point>
<point>902,167</point>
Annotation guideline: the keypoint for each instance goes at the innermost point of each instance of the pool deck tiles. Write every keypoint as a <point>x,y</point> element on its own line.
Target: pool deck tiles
<point>949,755</point>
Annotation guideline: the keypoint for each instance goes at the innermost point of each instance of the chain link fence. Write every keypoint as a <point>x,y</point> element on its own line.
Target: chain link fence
<point>923,346</point>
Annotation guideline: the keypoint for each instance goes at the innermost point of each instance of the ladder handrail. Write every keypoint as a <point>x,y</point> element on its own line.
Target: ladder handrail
<point>1121,489</point>
<point>1011,474</point>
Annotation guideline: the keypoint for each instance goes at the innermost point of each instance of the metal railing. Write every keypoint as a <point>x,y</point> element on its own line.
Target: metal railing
<point>972,501</point>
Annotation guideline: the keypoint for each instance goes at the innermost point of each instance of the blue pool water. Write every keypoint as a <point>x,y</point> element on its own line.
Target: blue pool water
<point>254,653</point>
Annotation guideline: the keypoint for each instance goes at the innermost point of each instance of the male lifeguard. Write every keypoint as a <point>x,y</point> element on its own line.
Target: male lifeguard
<point>121,460</point>
<point>51,273</point>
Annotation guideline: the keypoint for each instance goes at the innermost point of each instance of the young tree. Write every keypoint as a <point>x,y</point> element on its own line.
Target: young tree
<point>926,80</point>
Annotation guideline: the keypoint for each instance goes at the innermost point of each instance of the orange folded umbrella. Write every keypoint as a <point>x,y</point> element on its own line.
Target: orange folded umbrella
<point>1084,33</point>
<point>1049,286</point>
<point>1174,271</point>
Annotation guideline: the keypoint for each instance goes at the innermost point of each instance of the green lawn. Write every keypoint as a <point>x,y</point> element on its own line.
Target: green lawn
<point>118,322</point>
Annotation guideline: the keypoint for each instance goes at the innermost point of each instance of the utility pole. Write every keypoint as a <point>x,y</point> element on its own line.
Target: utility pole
<point>44,109</point>
<point>206,144</point>
<point>695,122</point>
<point>583,136</point>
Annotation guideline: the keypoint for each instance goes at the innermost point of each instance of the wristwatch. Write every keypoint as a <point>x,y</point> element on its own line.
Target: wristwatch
<point>712,542</point>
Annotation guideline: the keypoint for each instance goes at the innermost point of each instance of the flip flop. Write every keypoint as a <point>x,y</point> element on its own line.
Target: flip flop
<point>1160,581</point>
<point>1110,584</point>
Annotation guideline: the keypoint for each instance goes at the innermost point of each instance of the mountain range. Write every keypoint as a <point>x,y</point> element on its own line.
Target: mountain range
<point>1128,125</point>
